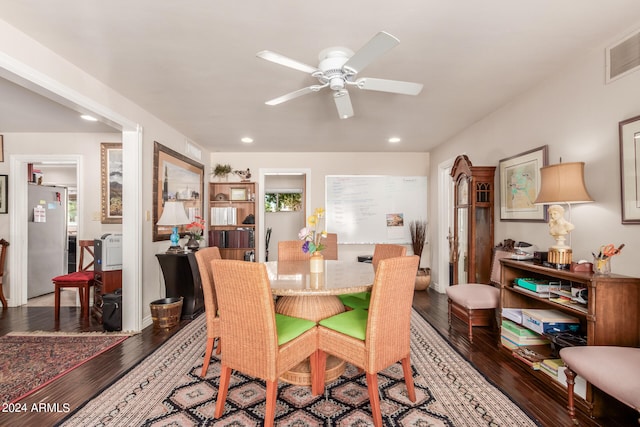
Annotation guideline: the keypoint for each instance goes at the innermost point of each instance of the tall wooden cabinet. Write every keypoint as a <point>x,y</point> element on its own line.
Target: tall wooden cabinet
<point>473,221</point>
<point>611,315</point>
<point>232,219</point>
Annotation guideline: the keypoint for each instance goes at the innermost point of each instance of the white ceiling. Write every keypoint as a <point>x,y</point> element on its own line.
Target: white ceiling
<point>192,63</point>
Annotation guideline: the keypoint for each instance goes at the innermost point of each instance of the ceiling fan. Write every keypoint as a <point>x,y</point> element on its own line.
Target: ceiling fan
<point>338,69</point>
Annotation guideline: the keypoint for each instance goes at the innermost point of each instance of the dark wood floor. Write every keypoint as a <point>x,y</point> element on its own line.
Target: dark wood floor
<point>81,384</point>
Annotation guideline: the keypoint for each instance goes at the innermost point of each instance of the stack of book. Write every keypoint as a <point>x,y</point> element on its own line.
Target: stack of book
<point>513,336</point>
<point>224,216</point>
<point>551,366</point>
<point>532,355</point>
<point>537,287</point>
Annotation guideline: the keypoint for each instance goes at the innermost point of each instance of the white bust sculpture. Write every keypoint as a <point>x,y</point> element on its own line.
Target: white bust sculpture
<point>558,226</point>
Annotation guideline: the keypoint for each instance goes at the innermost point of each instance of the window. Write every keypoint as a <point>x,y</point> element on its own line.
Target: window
<point>283,201</point>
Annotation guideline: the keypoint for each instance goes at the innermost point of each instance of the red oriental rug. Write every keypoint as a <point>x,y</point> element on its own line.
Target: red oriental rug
<point>31,360</point>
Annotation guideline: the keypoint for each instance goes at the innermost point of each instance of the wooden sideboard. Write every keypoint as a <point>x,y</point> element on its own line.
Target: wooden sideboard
<point>611,315</point>
<point>105,282</point>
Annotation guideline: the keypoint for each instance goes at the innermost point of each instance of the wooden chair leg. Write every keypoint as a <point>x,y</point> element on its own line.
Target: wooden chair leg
<point>207,356</point>
<point>321,366</point>
<point>57,301</point>
<point>408,378</point>
<point>571,376</point>
<point>270,411</point>
<point>2,298</point>
<point>470,320</point>
<point>225,376</point>
<point>314,361</point>
<point>374,398</point>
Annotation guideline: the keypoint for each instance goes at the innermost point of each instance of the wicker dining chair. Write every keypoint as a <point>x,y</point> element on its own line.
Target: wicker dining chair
<point>375,339</point>
<point>204,256</point>
<point>291,250</point>
<point>257,341</point>
<point>381,251</point>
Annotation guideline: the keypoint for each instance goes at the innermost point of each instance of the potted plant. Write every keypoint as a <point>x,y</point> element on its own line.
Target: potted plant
<point>418,239</point>
<point>221,171</point>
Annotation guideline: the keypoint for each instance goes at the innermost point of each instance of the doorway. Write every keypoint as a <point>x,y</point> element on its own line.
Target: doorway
<point>283,198</point>
<point>445,223</point>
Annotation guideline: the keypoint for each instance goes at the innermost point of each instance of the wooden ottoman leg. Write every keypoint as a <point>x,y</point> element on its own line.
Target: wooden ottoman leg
<point>57,301</point>
<point>571,376</point>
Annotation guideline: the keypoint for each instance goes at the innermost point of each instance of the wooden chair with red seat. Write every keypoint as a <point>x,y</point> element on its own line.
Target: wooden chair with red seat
<point>375,339</point>
<point>3,257</point>
<point>204,256</point>
<point>82,279</point>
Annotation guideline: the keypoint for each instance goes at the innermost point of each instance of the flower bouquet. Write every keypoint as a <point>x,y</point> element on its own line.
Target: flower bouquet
<point>313,234</point>
<point>195,230</point>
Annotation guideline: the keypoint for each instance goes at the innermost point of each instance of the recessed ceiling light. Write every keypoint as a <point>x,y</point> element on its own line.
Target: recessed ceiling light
<point>394,140</point>
<point>247,140</point>
<point>89,118</point>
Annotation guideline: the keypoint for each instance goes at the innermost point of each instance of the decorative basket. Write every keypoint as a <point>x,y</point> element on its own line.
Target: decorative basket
<point>423,279</point>
<point>166,312</point>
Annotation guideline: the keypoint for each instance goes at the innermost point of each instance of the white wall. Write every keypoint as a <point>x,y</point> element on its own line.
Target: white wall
<point>576,114</point>
<point>322,164</point>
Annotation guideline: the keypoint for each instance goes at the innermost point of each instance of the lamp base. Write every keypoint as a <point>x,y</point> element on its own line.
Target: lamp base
<point>174,250</point>
<point>560,256</point>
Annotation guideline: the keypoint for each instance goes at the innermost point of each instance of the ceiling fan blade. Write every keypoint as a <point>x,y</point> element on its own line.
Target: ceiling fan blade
<point>291,95</point>
<point>393,86</point>
<point>377,46</point>
<point>287,62</point>
<point>343,103</point>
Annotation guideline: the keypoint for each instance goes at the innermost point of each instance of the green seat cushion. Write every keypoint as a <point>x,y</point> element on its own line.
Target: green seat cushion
<point>350,300</point>
<point>289,327</point>
<point>352,323</point>
<point>361,295</point>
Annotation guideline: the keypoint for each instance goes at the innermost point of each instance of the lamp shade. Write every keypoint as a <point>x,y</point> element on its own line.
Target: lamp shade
<point>563,183</point>
<point>173,214</point>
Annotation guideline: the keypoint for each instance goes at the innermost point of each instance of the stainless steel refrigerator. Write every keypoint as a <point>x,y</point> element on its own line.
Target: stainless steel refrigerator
<point>47,237</point>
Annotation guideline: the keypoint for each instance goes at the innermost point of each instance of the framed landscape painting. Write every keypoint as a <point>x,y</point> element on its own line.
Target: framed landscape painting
<point>111,182</point>
<point>520,184</point>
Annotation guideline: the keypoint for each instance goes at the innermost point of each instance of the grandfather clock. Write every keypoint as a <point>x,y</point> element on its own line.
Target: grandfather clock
<point>473,221</point>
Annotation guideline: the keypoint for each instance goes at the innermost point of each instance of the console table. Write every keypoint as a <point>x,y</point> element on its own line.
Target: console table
<point>182,279</point>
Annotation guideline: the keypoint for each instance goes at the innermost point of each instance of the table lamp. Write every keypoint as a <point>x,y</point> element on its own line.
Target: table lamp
<point>561,183</point>
<point>173,215</point>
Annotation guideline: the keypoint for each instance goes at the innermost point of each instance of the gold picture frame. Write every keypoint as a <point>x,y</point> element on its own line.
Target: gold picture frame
<point>519,186</point>
<point>629,131</point>
<point>177,178</point>
<point>238,194</point>
<point>111,182</point>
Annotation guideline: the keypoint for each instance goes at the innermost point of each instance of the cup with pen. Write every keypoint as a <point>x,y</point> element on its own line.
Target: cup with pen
<point>602,260</point>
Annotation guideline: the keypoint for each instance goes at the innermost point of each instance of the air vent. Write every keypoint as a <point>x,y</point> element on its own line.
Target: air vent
<point>623,57</point>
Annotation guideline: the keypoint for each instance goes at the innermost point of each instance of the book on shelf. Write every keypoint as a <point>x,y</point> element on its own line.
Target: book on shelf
<point>535,285</point>
<point>540,294</point>
<point>224,216</point>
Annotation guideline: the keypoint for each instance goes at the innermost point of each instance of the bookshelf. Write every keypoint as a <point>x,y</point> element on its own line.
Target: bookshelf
<point>230,203</point>
<point>611,315</point>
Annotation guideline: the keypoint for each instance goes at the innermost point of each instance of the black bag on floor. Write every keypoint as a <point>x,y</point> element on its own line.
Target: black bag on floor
<point>112,311</point>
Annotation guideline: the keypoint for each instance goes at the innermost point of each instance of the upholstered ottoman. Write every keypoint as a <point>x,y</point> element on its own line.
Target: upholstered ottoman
<point>474,304</point>
<point>614,370</point>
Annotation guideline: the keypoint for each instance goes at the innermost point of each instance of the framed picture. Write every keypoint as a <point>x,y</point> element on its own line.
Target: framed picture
<point>175,178</point>
<point>111,182</point>
<point>238,194</point>
<point>520,184</point>
<point>630,169</point>
<point>4,194</point>
<point>1,148</point>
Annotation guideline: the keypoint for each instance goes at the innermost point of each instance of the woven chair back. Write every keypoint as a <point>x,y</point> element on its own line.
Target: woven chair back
<point>331,246</point>
<point>204,256</point>
<point>291,250</point>
<point>388,324</point>
<point>384,251</point>
<point>247,317</point>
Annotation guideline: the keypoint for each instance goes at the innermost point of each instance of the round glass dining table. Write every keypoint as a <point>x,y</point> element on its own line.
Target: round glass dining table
<point>313,296</point>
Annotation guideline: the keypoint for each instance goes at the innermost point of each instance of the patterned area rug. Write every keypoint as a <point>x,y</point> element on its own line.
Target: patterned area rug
<point>31,360</point>
<point>166,390</point>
